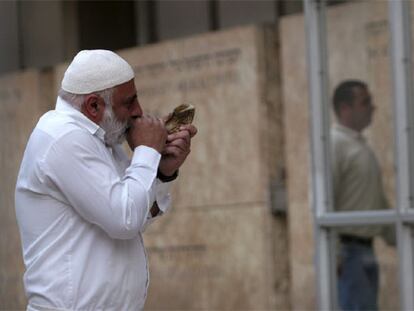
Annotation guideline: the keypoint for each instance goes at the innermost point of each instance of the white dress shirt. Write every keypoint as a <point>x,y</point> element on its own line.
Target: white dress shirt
<point>81,208</point>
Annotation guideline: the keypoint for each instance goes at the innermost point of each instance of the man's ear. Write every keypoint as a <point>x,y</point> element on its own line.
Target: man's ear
<point>93,107</point>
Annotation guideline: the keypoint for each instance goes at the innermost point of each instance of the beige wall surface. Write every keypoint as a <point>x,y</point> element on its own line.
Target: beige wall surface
<point>357,38</point>
<point>297,153</point>
<point>220,248</point>
<point>24,97</point>
<point>218,75</point>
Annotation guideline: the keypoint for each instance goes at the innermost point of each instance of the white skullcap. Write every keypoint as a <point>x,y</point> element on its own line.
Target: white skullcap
<point>96,70</point>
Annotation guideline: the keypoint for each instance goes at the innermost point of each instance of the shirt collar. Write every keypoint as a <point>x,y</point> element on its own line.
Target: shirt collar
<point>349,132</point>
<point>64,107</point>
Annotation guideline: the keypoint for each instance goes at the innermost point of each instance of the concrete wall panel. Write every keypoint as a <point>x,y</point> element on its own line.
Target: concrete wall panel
<point>221,247</point>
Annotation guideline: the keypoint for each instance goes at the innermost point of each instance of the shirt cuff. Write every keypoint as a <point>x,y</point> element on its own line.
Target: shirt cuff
<point>146,156</point>
<point>143,168</point>
<point>163,196</point>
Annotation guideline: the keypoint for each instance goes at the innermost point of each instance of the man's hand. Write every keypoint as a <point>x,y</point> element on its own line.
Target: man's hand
<point>148,131</point>
<point>177,149</point>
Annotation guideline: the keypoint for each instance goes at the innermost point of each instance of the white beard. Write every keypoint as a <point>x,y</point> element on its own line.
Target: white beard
<point>115,130</point>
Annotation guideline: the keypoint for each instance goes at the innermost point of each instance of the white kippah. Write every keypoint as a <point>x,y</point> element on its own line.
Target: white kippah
<point>96,70</point>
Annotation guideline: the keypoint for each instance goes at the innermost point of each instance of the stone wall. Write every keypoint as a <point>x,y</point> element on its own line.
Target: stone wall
<point>220,248</point>
<point>24,97</point>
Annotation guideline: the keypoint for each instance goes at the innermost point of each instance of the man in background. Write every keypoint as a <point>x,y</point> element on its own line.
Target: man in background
<point>81,203</point>
<point>357,187</point>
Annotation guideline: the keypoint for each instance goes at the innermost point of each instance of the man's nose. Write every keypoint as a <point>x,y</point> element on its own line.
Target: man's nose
<point>136,111</point>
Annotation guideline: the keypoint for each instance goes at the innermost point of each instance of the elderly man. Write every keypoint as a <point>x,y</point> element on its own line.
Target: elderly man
<point>81,204</point>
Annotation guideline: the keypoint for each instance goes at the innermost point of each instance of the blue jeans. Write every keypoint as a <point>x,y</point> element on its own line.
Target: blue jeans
<point>358,277</point>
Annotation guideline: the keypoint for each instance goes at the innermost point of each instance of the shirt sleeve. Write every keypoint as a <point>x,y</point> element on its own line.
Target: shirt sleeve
<point>162,189</point>
<point>88,180</point>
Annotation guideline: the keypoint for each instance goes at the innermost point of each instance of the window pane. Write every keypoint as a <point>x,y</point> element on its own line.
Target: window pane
<point>362,143</point>
<point>366,268</point>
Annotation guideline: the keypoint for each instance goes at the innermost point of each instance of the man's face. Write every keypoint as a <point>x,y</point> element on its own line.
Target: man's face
<point>125,102</point>
<point>362,108</point>
<point>124,108</point>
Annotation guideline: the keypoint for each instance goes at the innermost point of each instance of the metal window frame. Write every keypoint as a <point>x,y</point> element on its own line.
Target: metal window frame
<point>402,217</point>
<point>401,61</point>
<point>315,22</point>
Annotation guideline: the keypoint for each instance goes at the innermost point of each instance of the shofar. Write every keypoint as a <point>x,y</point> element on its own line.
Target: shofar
<point>182,115</point>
